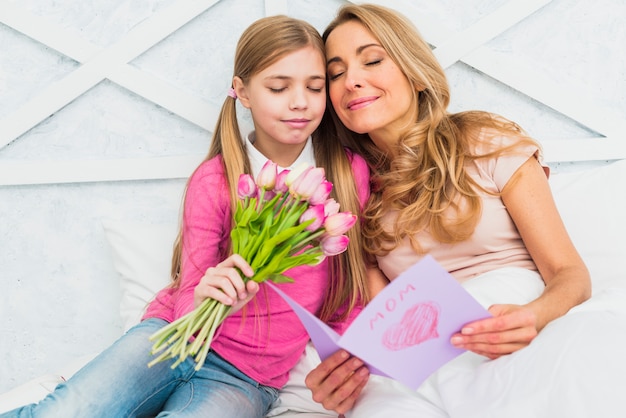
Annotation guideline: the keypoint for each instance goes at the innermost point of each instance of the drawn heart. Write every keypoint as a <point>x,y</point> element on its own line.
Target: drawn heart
<point>418,324</point>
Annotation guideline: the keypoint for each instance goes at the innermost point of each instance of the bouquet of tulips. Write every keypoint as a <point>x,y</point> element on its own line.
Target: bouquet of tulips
<point>282,220</point>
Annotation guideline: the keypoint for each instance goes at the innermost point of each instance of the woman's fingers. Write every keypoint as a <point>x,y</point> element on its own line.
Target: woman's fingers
<point>511,328</point>
<point>337,381</point>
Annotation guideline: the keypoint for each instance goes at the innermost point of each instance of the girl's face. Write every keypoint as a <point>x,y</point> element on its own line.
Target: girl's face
<point>287,101</point>
<point>368,90</point>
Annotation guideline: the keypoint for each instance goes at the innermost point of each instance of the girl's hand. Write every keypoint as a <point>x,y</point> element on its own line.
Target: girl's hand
<point>224,283</point>
<point>511,328</point>
<point>337,381</point>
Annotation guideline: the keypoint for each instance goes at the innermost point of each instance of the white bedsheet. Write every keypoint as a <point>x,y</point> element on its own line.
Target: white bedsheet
<point>574,368</point>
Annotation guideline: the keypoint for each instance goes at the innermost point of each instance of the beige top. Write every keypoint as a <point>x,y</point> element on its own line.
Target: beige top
<point>495,243</point>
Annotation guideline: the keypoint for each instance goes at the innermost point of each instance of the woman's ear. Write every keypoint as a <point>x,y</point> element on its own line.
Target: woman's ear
<point>242,93</point>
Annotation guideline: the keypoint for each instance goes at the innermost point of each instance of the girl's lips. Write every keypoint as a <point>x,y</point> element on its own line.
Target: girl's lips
<point>361,102</point>
<point>297,123</point>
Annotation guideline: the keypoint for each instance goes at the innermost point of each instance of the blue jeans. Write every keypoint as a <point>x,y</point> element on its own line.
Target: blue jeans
<point>118,383</point>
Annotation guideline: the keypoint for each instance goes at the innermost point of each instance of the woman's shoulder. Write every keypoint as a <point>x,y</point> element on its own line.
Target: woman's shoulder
<point>493,139</point>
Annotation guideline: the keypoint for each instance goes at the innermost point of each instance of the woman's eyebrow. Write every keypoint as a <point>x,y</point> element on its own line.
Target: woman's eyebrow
<point>359,50</point>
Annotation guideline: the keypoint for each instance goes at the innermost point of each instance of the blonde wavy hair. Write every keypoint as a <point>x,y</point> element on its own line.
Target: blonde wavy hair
<point>426,178</point>
<point>263,43</point>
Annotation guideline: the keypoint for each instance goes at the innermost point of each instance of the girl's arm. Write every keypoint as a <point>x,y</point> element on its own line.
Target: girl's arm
<point>206,217</point>
<point>529,200</point>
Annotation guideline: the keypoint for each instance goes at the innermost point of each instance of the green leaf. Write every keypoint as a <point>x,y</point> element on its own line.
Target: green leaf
<point>274,243</point>
<point>280,278</point>
<point>271,267</point>
<point>298,260</point>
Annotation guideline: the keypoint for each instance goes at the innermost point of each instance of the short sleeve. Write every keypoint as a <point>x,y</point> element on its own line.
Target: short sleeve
<point>508,163</point>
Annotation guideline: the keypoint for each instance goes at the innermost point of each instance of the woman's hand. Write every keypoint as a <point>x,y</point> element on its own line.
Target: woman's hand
<point>511,328</point>
<point>224,283</point>
<point>337,381</point>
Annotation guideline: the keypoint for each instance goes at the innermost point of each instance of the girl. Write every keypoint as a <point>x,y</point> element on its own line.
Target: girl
<point>279,75</point>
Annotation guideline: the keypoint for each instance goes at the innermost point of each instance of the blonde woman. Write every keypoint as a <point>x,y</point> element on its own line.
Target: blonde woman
<point>467,188</point>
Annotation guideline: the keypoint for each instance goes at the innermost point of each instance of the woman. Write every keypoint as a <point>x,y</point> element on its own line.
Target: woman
<point>467,188</point>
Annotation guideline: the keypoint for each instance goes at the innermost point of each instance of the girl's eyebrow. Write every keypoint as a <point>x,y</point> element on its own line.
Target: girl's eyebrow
<point>286,77</point>
<point>359,50</point>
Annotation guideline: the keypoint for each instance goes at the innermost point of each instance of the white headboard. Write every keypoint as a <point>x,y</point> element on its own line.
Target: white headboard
<point>114,62</point>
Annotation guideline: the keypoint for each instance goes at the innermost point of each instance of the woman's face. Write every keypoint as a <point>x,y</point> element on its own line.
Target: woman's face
<point>368,90</point>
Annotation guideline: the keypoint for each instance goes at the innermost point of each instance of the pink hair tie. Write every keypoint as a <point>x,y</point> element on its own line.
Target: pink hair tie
<point>232,93</point>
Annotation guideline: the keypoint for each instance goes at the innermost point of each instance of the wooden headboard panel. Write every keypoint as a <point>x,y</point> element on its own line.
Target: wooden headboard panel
<point>467,46</point>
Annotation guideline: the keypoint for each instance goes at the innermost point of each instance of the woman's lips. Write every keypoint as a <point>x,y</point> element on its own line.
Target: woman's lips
<point>361,102</point>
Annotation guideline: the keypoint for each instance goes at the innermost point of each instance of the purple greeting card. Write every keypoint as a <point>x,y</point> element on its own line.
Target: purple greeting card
<point>404,332</point>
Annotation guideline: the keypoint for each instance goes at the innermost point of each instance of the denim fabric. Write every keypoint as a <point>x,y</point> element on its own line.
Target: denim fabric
<point>118,383</point>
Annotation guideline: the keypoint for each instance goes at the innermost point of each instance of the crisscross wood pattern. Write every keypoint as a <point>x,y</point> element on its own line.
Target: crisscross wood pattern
<point>112,63</point>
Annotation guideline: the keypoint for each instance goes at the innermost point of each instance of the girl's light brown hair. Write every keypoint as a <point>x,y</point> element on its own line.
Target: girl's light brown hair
<point>264,42</point>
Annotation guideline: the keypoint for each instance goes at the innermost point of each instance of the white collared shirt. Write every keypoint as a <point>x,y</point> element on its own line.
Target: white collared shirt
<point>258,160</point>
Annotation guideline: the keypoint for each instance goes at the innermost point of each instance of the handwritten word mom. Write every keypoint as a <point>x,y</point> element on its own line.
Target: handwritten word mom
<point>390,305</point>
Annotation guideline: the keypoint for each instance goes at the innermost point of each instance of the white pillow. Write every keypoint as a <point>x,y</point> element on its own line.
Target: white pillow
<point>589,201</point>
<point>592,204</point>
<point>142,255</point>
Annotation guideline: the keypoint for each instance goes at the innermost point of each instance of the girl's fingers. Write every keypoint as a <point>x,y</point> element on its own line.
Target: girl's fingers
<point>252,288</point>
<point>224,282</point>
<point>236,260</point>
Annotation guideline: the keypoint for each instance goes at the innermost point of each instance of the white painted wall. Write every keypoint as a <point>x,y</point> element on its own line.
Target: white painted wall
<point>59,296</point>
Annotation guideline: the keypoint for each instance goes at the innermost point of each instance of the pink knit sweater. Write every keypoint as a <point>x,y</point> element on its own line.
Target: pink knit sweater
<point>264,346</point>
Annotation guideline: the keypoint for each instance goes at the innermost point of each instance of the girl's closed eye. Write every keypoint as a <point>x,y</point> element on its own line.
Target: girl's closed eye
<point>317,88</point>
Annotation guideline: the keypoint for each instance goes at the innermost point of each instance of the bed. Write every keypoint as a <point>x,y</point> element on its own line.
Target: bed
<point>582,374</point>
<point>93,191</point>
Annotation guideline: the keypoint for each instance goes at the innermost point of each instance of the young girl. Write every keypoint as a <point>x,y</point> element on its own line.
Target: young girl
<point>279,76</point>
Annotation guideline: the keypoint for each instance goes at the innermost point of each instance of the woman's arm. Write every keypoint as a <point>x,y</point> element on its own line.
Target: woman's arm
<point>529,200</point>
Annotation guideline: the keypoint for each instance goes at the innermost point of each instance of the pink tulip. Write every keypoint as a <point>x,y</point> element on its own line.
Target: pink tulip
<point>295,172</point>
<point>281,185</point>
<point>269,195</point>
<point>320,194</point>
<point>246,187</point>
<point>306,184</point>
<point>334,245</point>
<point>315,212</point>
<point>331,207</point>
<point>267,176</point>
<point>339,223</point>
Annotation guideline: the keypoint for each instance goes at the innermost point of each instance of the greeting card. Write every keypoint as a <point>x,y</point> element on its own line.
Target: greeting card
<point>404,332</point>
